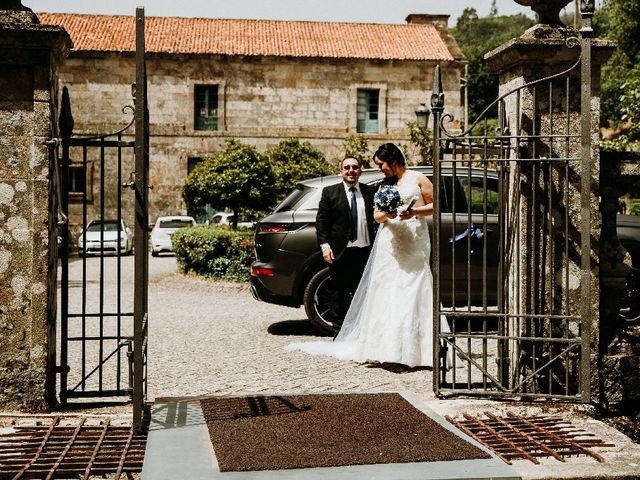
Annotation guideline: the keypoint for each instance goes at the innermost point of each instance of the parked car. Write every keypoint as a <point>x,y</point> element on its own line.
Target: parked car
<point>290,270</point>
<point>226,218</point>
<point>103,236</point>
<point>629,236</point>
<point>163,229</point>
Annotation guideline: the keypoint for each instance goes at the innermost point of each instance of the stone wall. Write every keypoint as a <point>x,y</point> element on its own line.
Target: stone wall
<point>29,55</point>
<point>262,100</point>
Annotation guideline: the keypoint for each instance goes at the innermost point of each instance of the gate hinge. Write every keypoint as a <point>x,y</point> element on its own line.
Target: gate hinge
<point>61,369</point>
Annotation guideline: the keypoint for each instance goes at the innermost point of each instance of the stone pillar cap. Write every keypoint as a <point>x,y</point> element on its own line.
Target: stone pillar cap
<point>534,44</point>
<point>13,13</point>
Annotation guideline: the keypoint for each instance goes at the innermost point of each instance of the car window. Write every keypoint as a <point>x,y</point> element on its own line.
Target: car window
<point>108,227</point>
<point>477,195</point>
<point>216,219</point>
<point>300,198</point>
<point>175,223</point>
<point>454,195</point>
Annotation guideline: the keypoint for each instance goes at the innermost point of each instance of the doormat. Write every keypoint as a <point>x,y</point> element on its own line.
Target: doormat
<point>306,431</point>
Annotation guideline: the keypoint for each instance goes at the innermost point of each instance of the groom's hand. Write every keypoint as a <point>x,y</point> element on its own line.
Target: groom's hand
<point>327,254</point>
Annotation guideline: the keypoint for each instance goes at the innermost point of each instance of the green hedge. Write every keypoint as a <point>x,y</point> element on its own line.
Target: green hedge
<point>214,252</point>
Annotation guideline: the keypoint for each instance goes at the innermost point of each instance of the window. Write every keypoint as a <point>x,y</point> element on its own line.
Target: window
<point>206,107</point>
<point>80,178</point>
<point>367,111</point>
<point>193,162</point>
<point>479,194</point>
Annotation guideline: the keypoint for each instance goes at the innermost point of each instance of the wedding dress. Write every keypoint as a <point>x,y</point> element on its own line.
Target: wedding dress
<point>391,316</point>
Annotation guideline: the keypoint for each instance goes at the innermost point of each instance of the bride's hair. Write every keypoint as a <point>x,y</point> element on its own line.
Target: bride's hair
<point>390,153</point>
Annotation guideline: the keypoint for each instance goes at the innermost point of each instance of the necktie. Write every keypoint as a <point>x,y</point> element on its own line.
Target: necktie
<point>354,216</point>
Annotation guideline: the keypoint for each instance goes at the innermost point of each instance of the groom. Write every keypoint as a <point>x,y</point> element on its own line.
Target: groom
<point>345,229</point>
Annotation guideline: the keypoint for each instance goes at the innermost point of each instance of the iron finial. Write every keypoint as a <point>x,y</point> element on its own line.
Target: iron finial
<point>65,120</point>
<point>437,95</point>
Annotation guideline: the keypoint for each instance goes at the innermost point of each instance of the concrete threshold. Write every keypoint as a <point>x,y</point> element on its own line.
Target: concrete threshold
<point>178,446</point>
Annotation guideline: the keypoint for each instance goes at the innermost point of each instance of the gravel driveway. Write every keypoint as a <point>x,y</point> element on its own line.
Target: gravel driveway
<point>212,337</point>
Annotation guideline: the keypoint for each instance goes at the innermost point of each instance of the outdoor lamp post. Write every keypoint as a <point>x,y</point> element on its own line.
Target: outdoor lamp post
<point>422,115</point>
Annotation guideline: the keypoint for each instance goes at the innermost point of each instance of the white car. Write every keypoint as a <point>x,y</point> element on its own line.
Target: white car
<point>102,236</point>
<point>162,230</point>
<point>226,218</point>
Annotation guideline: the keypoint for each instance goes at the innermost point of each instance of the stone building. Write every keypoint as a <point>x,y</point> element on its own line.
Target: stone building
<point>259,81</point>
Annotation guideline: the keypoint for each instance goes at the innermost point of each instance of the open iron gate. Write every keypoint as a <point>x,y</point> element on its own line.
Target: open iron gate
<point>103,345</point>
<point>519,312</point>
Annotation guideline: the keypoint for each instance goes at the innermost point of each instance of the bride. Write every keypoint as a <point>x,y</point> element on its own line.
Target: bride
<point>391,314</point>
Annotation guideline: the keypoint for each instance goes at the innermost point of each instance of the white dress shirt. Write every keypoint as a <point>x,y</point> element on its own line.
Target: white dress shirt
<point>363,231</point>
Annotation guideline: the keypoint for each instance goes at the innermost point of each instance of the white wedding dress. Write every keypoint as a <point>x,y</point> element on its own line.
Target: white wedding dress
<point>391,315</point>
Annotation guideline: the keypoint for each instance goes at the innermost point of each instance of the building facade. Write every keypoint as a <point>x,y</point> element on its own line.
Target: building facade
<point>257,81</point>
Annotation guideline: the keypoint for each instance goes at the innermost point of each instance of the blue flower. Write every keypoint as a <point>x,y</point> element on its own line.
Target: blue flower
<point>387,199</point>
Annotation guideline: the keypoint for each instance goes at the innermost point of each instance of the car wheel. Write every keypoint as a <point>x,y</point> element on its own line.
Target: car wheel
<point>316,300</point>
<point>154,253</point>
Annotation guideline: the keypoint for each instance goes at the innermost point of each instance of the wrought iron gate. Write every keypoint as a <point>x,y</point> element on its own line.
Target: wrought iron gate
<point>103,347</point>
<point>519,312</point>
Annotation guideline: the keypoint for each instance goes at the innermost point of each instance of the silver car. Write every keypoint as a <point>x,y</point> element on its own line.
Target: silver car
<point>164,228</point>
<point>226,218</point>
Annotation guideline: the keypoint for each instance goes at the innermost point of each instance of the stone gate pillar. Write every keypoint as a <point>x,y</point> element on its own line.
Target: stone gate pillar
<point>537,113</point>
<point>29,57</point>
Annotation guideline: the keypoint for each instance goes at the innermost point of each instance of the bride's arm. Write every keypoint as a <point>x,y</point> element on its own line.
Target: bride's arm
<point>426,188</point>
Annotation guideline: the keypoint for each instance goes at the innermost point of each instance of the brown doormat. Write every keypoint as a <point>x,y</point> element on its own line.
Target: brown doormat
<point>274,433</point>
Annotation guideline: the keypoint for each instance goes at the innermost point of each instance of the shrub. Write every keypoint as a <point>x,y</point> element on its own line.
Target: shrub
<point>422,139</point>
<point>214,252</point>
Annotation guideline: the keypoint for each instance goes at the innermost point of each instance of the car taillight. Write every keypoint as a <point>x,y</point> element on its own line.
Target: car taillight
<point>261,271</point>
<point>273,228</point>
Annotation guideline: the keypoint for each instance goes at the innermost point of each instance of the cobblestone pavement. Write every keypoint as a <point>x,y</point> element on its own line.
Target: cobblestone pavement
<point>214,338</point>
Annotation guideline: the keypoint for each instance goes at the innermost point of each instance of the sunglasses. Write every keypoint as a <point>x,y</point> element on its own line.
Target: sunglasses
<point>351,167</point>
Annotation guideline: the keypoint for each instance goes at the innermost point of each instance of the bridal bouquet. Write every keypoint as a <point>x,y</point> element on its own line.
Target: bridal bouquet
<point>387,199</point>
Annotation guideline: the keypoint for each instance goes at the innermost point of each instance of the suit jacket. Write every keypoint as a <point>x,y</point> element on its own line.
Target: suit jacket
<point>333,221</point>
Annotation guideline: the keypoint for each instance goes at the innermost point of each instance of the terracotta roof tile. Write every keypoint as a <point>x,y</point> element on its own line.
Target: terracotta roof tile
<point>254,37</point>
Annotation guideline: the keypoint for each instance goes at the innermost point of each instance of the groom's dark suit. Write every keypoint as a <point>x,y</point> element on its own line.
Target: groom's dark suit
<point>333,226</point>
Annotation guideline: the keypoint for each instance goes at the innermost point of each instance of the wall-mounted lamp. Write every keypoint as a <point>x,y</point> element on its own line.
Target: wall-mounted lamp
<point>422,115</point>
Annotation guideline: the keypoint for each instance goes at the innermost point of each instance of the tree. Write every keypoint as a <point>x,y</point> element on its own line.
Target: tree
<point>238,177</point>
<point>357,146</point>
<point>619,20</point>
<point>477,36</point>
<point>293,161</point>
<point>494,9</point>
<point>422,139</point>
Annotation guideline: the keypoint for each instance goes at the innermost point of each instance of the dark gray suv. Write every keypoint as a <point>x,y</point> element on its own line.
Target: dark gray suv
<point>290,270</point>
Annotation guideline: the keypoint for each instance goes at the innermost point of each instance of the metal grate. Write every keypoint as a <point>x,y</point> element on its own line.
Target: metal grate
<point>529,438</point>
<point>71,448</point>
